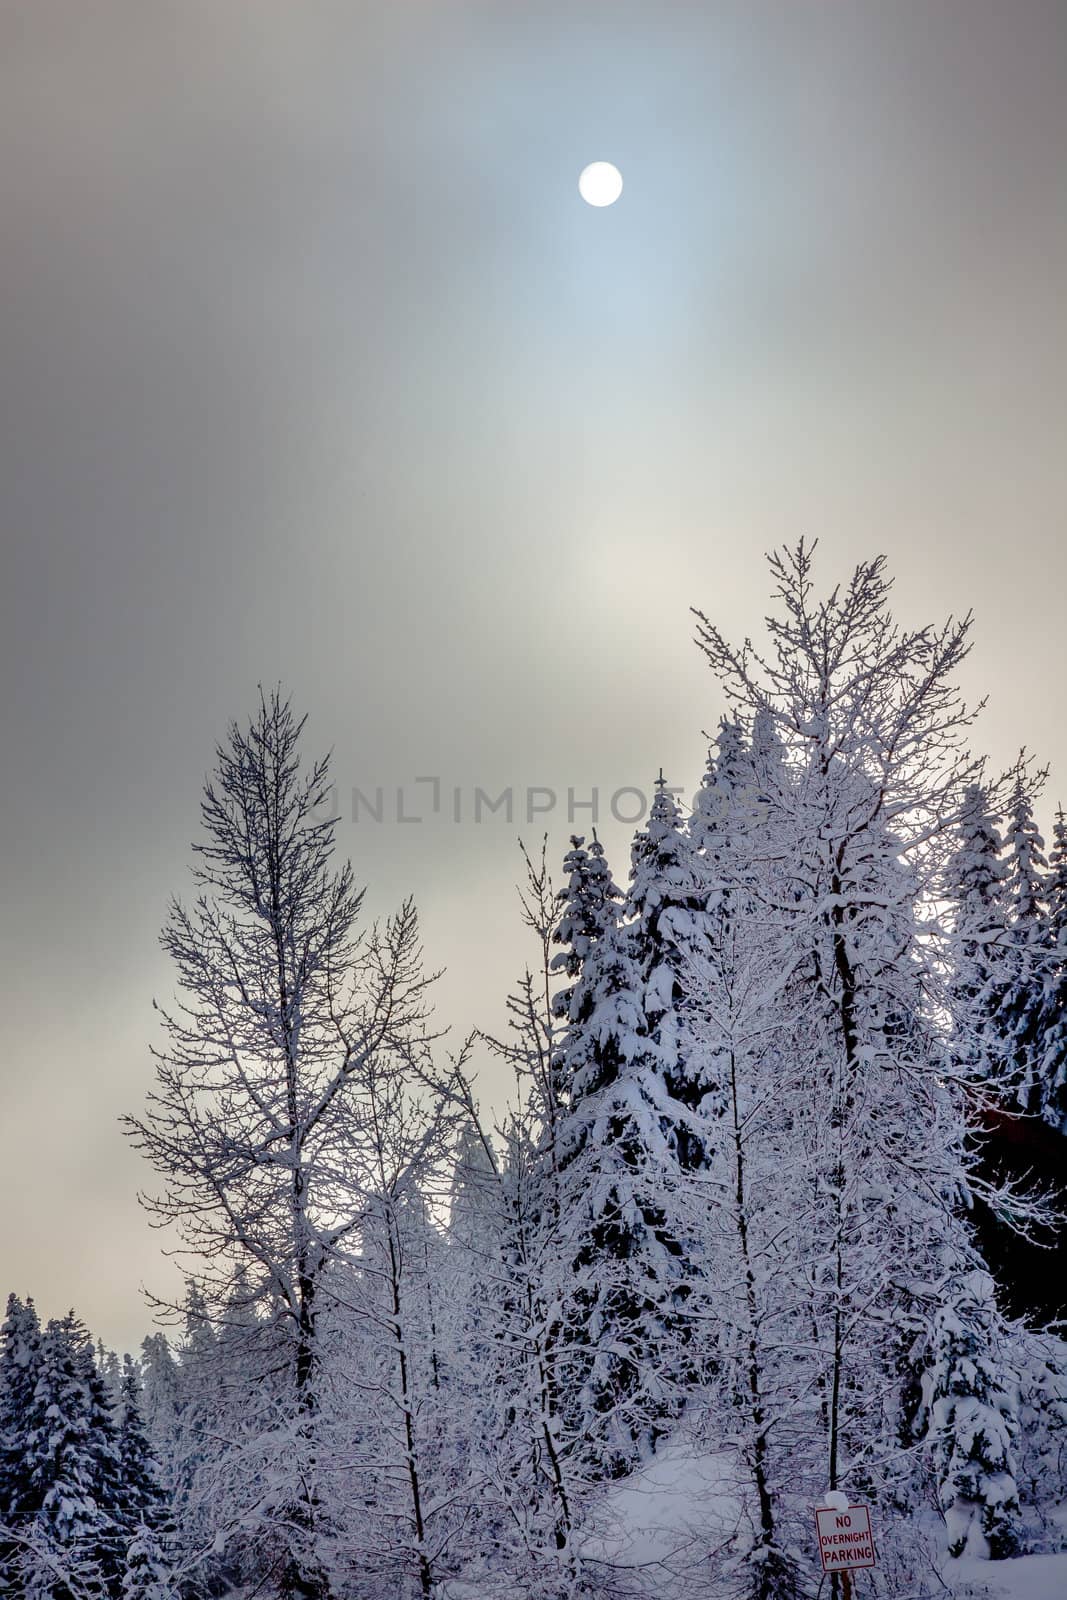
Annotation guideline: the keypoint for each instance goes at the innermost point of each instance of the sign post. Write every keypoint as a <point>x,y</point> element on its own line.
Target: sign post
<point>846,1542</point>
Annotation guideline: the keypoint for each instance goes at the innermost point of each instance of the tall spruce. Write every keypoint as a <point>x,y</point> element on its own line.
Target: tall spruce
<point>69,1461</point>
<point>143,1499</point>
<point>973,1422</point>
<point>621,1258</point>
<point>667,906</point>
<point>20,1371</point>
<point>1019,1008</point>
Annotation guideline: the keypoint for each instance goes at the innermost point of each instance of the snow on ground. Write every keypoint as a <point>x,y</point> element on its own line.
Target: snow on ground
<point>684,1505</point>
<point>1025,1578</point>
<point>681,1500</point>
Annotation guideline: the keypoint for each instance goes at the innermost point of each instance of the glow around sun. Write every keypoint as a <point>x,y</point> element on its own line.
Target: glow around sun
<point>600,184</point>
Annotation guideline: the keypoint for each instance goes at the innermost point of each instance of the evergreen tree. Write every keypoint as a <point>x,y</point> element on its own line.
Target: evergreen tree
<point>1018,1013</point>
<point>980,936</point>
<point>621,1269</point>
<point>20,1371</point>
<point>108,1487</point>
<point>147,1575</point>
<point>1050,1067</point>
<point>1041,1445</point>
<point>974,1423</point>
<point>1003,960</point>
<point>195,1415</point>
<point>20,1363</point>
<point>667,907</point>
<point>110,1369</point>
<point>469,1269</point>
<point>142,1496</point>
<point>590,908</point>
<point>728,781</point>
<point>161,1401</point>
<point>67,1460</point>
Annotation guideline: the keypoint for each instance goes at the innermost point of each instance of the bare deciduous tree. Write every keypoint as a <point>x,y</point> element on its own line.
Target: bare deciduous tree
<point>257,1123</point>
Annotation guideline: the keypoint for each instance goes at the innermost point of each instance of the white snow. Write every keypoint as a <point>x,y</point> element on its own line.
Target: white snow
<point>1024,1578</point>
<point>681,1502</point>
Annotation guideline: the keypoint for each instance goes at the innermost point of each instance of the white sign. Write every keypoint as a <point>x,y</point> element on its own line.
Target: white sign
<point>845,1538</point>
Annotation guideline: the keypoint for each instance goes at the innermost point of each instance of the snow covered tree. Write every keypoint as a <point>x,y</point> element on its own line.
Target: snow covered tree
<point>1003,961</point>
<point>1019,1006</point>
<point>667,907</point>
<point>70,1464</point>
<point>468,1279</point>
<point>1048,1097</point>
<point>756,1247</point>
<point>160,1401</point>
<point>590,907</point>
<point>20,1370</point>
<point>142,1495</point>
<point>620,1234</point>
<point>148,1574</point>
<point>980,936</point>
<point>186,1418</point>
<point>872,731</point>
<point>530,1453</point>
<point>394,1465</point>
<point>108,1486</point>
<point>110,1369</point>
<point>286,1008</point>
<point>974,1423</point>
<point>1040,1362</point>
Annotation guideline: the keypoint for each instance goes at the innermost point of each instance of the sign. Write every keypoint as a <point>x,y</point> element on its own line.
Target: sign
<point>845,1538</point>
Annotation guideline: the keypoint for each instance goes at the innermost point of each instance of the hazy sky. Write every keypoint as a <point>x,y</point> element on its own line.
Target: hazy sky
<point>314,367</point>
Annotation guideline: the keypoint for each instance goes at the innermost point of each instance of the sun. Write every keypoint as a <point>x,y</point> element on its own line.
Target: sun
<point>600,184</point>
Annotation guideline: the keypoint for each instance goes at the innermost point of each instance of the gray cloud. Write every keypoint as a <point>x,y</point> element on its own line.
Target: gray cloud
<point>314,367</point>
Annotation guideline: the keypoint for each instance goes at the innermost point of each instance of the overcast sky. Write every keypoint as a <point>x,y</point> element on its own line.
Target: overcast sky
<point>314,367</point>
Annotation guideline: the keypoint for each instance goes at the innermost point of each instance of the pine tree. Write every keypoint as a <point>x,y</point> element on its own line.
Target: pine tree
<point>161,1401</point>
<point>1050,1067</point>
<point>67,1458</point>
<point>470,1268</point>
<point>590,908</point>
<point>194,1415</point>
<point>107,1479</point>
<point>980,937</point>
<point>1040,1362</point>
<point>142,1496</point>
<point>147,1575</point>
<point>974,1423</point>
<point>20,1371</point>
<point>667,907</point>
<point>110,1369</point>
<point>20,1362</point>
<point>1018,1012</point>
<point>620,1251</point>
<point>403,1456</point>
<point>727,787</point>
